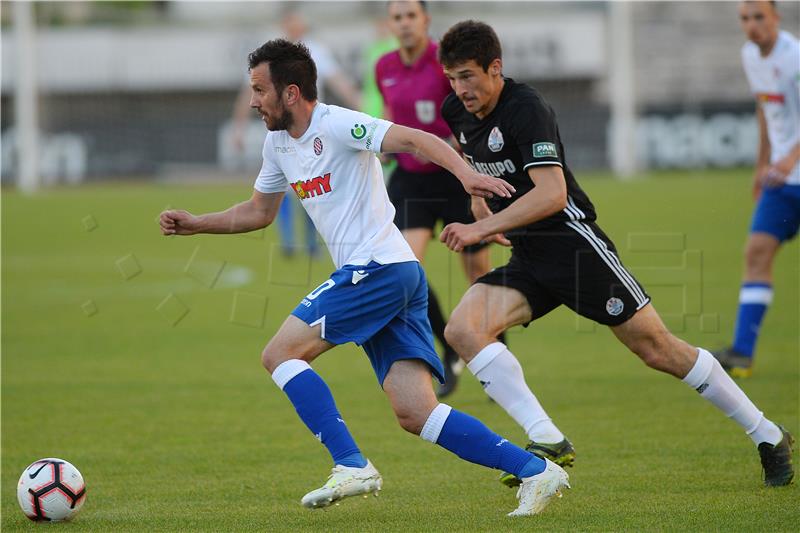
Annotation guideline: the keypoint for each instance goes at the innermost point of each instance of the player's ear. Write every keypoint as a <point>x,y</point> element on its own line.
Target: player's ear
<point>496,67</point>
<point>291,94</point>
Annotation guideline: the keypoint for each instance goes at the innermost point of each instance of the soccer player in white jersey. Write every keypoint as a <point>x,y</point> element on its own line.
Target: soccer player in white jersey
<point>377,297</point>
<point>771,60</point>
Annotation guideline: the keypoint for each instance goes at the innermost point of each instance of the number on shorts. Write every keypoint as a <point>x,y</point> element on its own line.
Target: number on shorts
<point>327,284</point>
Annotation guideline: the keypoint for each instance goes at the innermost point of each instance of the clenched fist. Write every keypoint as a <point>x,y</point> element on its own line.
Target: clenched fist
<point>178,222</point>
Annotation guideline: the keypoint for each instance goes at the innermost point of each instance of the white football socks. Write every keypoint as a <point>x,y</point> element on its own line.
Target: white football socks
<point>715,385</point>
<point>501,376</point>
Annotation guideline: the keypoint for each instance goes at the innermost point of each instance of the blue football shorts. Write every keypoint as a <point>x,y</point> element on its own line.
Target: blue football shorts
<point>778,212</point>
<point>382,308</point>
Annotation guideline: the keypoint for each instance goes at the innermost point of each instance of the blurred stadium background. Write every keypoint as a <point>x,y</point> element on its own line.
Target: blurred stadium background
<point>144,90</point>
<point>135,357</point>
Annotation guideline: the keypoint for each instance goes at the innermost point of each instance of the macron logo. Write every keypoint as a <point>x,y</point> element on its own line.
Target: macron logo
<point>358,275</point>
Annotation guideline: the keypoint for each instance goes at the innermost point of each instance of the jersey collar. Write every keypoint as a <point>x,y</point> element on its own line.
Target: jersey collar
<point>312,125</point>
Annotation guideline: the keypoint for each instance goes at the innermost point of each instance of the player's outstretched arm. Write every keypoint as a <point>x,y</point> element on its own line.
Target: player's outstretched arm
<point>256,213</point>
<point>548,197</point>
<point>400,139</point>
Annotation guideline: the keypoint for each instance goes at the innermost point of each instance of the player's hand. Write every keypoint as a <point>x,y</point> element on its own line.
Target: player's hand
<point>178,222</point>
<point>774,177</point>
<point>456,236</point>
<point>486,186</point>
<point>498,238</point>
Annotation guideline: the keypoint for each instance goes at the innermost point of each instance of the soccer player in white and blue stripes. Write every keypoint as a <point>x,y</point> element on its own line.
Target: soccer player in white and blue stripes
<point>771,60</point>
<point>378,296</point>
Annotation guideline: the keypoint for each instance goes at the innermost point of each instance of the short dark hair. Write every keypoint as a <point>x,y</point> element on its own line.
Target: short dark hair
<point>289,64</point>
<point>468,40</point>
<point>422,3</point>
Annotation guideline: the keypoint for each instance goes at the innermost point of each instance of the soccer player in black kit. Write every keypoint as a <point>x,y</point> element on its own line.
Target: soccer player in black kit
<point>559,256</point>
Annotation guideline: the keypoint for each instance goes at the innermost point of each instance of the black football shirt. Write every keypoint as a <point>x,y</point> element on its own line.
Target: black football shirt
<point>519,133</point>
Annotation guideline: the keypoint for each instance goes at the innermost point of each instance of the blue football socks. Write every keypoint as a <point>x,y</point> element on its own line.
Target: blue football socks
<point>313,401</point>
<point>754,298</point>
<point>471,440</point>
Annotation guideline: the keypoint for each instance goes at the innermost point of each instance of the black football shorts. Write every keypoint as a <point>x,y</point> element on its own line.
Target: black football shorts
<point>574,264</point>
<point>422,199</point>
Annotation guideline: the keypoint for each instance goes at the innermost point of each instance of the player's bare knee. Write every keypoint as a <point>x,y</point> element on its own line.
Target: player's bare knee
<point>758,258</point>
<point>272,358</point>
<point>410,420</point>
<point>268,360</point>
<point>455,332</point>
<point>652,349</point>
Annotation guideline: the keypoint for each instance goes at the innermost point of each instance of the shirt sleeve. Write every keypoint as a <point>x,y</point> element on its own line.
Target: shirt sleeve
<point>270,179</point>
<point>358,131</point>
<point>535,132</point>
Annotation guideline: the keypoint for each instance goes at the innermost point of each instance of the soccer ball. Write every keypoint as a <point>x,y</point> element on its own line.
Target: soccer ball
<point>51,489</point>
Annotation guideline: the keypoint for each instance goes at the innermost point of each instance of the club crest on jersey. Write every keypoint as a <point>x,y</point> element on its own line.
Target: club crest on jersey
<point>305,189</point>
<point>317,145</point>
<point>496,140</point>
<point>426,111</point>
<point>614,306</point>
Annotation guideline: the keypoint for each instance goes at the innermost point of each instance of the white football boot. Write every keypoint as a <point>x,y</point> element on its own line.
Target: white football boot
<point>536,491</point>
<point>344,481</point>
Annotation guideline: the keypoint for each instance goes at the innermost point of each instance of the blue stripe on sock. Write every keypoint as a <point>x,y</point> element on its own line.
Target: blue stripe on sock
<point>313,401</point>
<point>471,440</point>
<point>756,284</point>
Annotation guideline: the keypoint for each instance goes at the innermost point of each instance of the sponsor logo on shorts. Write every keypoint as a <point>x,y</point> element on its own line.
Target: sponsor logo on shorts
<point>614,306</point>
<point>496,140</point>
<point>317,145</point>
<point>544,150</point>
<point>358,131</point>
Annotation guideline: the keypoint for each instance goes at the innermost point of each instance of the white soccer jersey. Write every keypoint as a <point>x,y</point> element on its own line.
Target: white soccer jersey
<point>775,82</point>
<point>333,170</point>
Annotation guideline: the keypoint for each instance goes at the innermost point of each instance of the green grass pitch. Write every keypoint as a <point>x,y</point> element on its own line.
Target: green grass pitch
<point>136,357</point>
